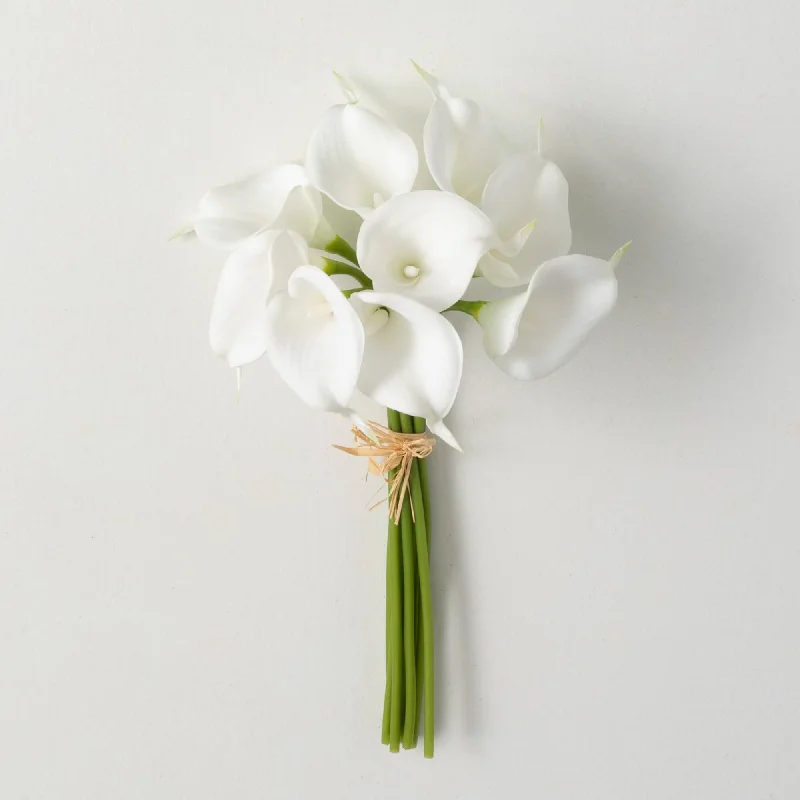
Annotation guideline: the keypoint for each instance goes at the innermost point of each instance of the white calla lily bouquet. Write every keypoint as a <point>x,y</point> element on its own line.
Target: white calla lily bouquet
<point>336,321</point>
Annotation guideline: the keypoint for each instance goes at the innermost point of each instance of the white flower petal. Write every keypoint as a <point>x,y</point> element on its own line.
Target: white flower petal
<point>315,340</point>
<point>359,159</point>
<point>412,358</point>
<point>527,187</point>
<point>532,334</point>
<point>278,198</point>
<point>258,269</point>
<point>499,272</point>
<point>302,212</point>
<point>461,148</point>
<point>500,322</point>
<point>424,244</point>
<point>225,233</point>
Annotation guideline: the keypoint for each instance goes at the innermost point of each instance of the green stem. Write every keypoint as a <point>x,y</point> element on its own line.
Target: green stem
<point>387,695</point>
<point>340,247</point>
<point>395,589</point>
<point>419,427</point>
<point>409,637</point>
<point>471,307</point>
<point>407,523</point>
<point>340,268</point>
<point>395,631</point>
<point>426,603</point>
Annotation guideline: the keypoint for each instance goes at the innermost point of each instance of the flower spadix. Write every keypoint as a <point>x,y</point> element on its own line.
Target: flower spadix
<point>358,158</point>
<point>535,332</point>
<point>412,358</point>
<point>279,198</point>
<point>315,340</point>
<point>253,274</point>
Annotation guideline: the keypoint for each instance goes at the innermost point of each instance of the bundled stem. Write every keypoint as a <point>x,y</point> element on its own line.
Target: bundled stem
<point>409,610</point>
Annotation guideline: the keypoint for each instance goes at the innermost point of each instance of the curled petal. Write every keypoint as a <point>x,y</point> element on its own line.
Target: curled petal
<point>424,244</point>
<point>257,270</point>
<point>461,148</point>
<point>412,358</point>
<point>498,271</point>
<point>523,188</point>
<point>278,198</point>
<point>359,159</point>
<point>533,333</point>
<point>315,340</point>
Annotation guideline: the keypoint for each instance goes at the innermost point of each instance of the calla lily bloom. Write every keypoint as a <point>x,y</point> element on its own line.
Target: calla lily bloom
<point>315,340</point>
<point>280,198</point>
<point>461,148</point>
<point>533,333</point>
<point>253,274</point>
<point>426,245</point>
<point>413,358</point>
<point>359,159</point>
<point>526,187</point>
<point>466,156</point>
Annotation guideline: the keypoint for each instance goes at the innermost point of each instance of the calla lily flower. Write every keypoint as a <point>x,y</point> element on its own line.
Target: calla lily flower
<point>426,245</point>
<point>358,159</point>
<point>461,148</point>
<point>280,198</point>
<point>413,358</point>
<point>315,340</point>
<point>533,333</point>
<point>526,187</point>
<point>253,274</point>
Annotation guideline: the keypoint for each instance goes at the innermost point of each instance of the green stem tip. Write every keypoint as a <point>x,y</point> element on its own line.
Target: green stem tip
<point>340,268</point>
<point>339,247</point>
<point>471,307</point>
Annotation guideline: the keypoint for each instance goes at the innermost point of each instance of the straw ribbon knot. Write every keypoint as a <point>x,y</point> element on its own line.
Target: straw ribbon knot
<point>397,452</point>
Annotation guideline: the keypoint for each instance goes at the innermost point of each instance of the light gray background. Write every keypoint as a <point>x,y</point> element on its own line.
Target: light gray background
<point>191,589</point>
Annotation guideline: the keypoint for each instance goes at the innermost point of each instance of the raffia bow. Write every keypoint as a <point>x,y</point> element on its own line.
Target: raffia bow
<point>397,451</point>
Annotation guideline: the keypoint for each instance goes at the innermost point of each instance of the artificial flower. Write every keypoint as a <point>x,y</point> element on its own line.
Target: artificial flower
<point>461,148</point>
<point>279,198</point>
<point>253,274</point>
<point>359,159</point>
<point>315,340</point>
<point>412,358</point>
<point>535,332</point>
<point>526,187</point>
<point>426,245</point>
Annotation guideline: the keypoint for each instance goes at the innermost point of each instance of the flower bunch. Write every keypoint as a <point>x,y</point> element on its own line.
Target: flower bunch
<point>335,321</point>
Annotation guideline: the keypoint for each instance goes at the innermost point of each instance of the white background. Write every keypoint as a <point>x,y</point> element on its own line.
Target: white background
<point>191,589</point>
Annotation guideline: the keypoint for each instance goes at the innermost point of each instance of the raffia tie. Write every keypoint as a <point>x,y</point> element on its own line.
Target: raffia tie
<point>390,455</point>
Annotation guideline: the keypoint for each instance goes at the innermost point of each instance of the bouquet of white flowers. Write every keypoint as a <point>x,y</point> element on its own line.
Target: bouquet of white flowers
<point>335,321</point>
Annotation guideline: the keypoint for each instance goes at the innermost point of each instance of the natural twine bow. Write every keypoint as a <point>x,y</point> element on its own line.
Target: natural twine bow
<point>397,450</point>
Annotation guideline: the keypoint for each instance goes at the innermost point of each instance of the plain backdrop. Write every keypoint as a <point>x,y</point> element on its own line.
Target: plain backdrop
<point>191,587</point>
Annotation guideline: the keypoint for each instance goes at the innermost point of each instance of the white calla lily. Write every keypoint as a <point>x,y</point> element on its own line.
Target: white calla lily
<point>461,148</point>
<point>359,159</point>
<point>526,187</point>
<point>426,245</point>
<point>279,198</point>
<point>253,274</point>
<point>533,333</point>
<point>413,358</point>
<point>315,340</point>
